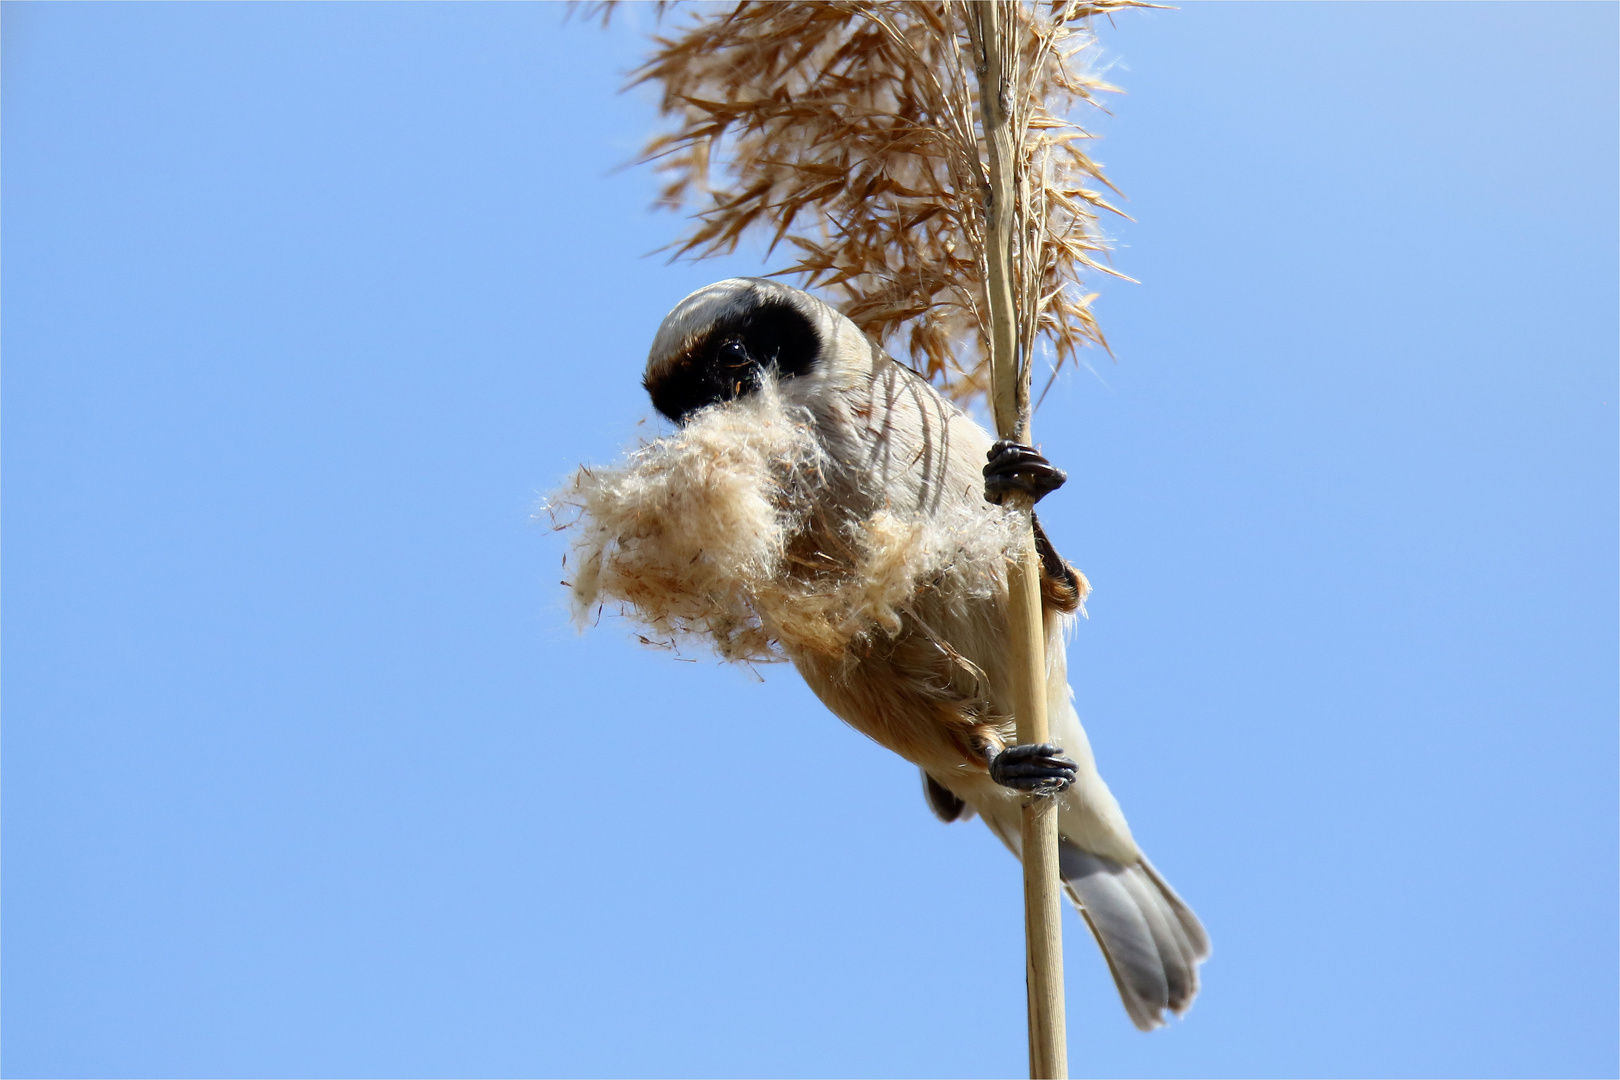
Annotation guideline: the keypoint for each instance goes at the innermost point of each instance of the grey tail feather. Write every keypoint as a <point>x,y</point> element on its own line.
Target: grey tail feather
<point>1152,941</point>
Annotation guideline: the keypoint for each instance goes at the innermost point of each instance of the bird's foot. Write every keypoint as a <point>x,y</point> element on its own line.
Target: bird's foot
<point>1015,467</point>
<point>1038,768</point>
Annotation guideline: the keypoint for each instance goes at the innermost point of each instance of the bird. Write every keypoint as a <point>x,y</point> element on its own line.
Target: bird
<point>937,689</point>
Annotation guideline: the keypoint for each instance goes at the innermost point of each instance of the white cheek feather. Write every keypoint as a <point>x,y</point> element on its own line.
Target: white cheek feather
<point>727,531</point>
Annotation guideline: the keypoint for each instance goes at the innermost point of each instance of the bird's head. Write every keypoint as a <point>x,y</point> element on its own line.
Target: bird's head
<point>719,342</point>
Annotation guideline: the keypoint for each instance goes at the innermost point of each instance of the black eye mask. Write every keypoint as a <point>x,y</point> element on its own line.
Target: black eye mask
<point>773,336</point>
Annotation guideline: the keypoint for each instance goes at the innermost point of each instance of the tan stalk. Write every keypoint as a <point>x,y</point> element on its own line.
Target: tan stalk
<point>1043,898</point>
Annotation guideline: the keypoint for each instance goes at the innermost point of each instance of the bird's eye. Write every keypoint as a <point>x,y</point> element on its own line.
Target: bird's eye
<point>733,354</point>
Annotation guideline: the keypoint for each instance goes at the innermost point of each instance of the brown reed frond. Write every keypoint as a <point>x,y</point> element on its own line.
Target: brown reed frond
<point>848,130</point>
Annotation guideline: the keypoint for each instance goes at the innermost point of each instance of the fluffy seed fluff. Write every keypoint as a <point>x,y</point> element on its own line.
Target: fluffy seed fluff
<point>722,532</point>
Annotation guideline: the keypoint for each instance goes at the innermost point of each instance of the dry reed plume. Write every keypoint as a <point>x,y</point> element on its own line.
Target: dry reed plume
<point>849,129</point>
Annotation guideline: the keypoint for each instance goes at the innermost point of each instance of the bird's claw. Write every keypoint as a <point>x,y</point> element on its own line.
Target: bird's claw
<point>1037,768</point>
<point>1015,467</point>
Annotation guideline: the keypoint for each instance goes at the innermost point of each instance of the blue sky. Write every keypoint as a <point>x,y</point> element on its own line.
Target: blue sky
<point>306,773</point>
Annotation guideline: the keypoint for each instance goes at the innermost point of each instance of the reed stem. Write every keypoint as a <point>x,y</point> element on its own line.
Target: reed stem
<point>989,22</point>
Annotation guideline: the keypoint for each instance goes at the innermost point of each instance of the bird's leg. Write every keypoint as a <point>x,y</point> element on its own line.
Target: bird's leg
<point>1038,768</point>
<point>1062,586</point>
<point>1016,467</point>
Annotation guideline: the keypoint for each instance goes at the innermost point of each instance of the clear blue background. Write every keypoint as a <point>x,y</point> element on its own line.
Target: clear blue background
<point>307,775</point>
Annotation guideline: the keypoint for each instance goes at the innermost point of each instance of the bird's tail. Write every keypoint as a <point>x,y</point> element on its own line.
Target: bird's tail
<point>1152,941</point>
